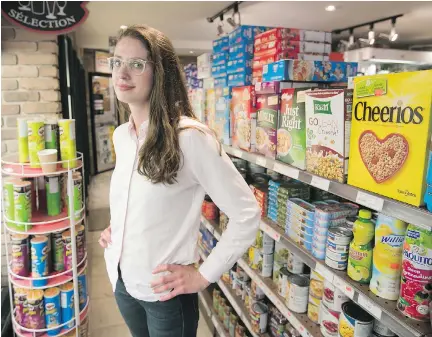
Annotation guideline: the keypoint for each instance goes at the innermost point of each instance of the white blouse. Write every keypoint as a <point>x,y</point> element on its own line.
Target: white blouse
<point>153,224</point>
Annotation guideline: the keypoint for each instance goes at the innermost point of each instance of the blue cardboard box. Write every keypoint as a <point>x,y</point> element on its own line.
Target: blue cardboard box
<point>239,80</point>
<point>241,50</point>
<point>242,65</point>
<point>220,58</point>
<point>221,82</point>
<point>221,44</point>
<point>219,71</point>
<point>245,33</point>
<point>223,100</point>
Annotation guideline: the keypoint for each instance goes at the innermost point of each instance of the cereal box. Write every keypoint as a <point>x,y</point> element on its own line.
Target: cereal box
<point>221,45</point>
<point>243,118</point>
<point>328,124</point>
<point>391,134</point>
<point>222,127</point>
<point>267,121</point>
<point>210,108</point>
<point>291,134</point>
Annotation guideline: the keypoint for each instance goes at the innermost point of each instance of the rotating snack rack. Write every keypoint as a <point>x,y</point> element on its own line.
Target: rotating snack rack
<point>45,224</point>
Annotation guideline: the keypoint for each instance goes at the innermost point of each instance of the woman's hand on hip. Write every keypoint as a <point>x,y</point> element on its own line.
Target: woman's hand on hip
<point>182,280</point>
<point>105,238</point>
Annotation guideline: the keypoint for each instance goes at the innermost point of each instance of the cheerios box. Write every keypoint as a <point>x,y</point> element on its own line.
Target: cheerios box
<point>390,136</point>
<point>243,117</point>
<point>328,124</point>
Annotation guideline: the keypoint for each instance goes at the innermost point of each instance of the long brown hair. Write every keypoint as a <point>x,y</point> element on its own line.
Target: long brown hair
<point>160,156</point>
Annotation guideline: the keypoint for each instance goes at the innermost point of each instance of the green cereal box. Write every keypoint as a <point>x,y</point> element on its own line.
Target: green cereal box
<point>291,133</point>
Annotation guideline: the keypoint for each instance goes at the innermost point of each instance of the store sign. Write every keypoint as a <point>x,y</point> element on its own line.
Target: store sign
<point>101,62</point>
<point>54,17</point>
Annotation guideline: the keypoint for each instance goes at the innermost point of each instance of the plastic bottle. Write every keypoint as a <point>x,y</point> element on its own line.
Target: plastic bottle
<point>361,248</point>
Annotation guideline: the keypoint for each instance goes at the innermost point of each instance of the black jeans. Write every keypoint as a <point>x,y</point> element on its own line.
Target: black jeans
<point>177,317</point>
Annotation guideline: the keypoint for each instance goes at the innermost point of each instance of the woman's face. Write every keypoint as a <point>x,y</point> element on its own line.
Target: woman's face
<point>129,87</point>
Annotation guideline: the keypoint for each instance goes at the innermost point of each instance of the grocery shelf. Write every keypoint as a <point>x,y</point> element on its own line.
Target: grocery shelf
<point>402,211</point>
<point>24,332</point>
<point>381,309</point>
<point>206,300</point>
<point>54,280</point>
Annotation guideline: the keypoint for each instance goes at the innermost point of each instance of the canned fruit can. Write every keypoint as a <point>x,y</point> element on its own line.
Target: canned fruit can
<point>298,293</point>
<point>23,143</point>
<point>259,317</point>
<point>354,321</point>
<point>22,202</point>
<point>52,310</point>
<point>335,265</point>
<point>329,321</point>
<point>52,136</point>
<point>35,309</point>
<point>415,292</point>
<point>313,311</point>
<point>340,235</point>
<point>283,283</point>
<point>338,257</point>
<point>39,260</point>
<point>67,304</point>
<point>80,242</point>
<point>57,246</point>
<point>337,248</point>
<point>333,298</point>
<point>20,263</point>
<point>53,195</point>
<point>82,289</point>
<point>294,264</point>
<point>281,253</point>
<point>20,302</point>
<point>316,287</point>
<point>67,142</point>
<point>36,141</point>
<point>380,330</point>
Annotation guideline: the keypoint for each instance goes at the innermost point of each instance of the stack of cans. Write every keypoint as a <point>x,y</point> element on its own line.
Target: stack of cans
<point>261,254</point>
<point>316,291</point>
<point>300,220</point>
<point>272,208</point>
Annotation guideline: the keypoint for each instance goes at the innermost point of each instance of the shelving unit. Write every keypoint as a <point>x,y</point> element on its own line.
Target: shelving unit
<point>44,224</point>
<point>206,300</point>
<point>405,212</point>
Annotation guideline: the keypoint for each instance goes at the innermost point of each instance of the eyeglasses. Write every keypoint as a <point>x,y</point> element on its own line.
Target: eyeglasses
<point>134,66</point>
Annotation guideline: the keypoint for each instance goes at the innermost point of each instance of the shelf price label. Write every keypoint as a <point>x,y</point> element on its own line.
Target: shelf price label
<point>286,170</point>
<point>320,183</point>
<point>270,232</point>
<point>237,153</point>
<point>370,306</point>
<point>345,287</point>
<point>261,161</point>
<point>370,201</point>
<point>324,272</point>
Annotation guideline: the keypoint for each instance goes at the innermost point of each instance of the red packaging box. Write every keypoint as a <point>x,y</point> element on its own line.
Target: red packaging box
<point>260,61</point>
<point>292,34</point>
<point>273,47</point>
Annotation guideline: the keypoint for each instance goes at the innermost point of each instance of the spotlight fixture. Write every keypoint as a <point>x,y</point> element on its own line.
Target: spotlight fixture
<point>371,35</point>
<point>351,37</point>
<point>330,8</point>
<point>235,20</point>
<point>393,34</point>
<point>220,29</point>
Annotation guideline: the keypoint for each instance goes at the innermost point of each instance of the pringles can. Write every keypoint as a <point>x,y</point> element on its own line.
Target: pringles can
<point>82,290</point>
<point>57,246</point>
<point>68,150</point>
<point>36,140</point>
<point>52,310</point>
<point>20,263</point>
<point>80,242</point>
<point>67,304</point>
<point>35,309</point>
<point>23,144</point>
<point>22,203</point>
<point>52,135</point>
<point>39,256</point>
<point>53,195</point>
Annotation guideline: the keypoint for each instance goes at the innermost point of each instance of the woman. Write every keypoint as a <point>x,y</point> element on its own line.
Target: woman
<point>166,162</point>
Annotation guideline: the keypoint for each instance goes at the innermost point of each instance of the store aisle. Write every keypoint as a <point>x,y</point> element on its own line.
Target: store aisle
<point>105,319</point>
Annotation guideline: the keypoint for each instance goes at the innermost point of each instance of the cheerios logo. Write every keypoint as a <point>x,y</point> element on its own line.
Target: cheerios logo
<point>398,113</point>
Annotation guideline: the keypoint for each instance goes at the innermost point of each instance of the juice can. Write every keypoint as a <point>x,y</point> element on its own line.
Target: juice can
<point>36,140</point>
<point>35,309</point>
<point>67,304</point>
<point>20,302</point>
<point>416,283</point>
<point>80,241</point>
<point>52,185</point>
<point>67,142</point>
<point>23,143</point>
<point>39,256</point>
<point>354,321</point>
<point>52,135</point>
<point>82,289</point>
<point>57,251</point>
<point>20,263</point>
<point>52,310</point>
<point>22,203</point>
<point>387,257</point>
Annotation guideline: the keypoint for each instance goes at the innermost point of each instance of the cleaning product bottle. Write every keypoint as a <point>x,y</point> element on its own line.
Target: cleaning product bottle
<point>361,248</point>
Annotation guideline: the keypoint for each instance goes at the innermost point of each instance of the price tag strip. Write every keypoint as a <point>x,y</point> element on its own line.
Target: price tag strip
<point>371,201</point>
<point>261,161</point>
<point>238,153</point>
<point>286,170</point>
<point>345,287</point>
<point>370,306</point>
<point>270,231</point>
<point>324,272</point>
<point>320,183</point>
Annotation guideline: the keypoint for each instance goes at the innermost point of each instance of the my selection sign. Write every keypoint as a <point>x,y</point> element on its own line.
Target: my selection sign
<point>53,17</point>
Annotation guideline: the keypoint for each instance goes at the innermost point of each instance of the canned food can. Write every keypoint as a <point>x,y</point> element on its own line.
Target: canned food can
<point>268,244</point>
<point>320,255</point>
<point>226,321</point>
<point>35,309</point>
<point>233,324</point>
<point>276,271</point>
<point>82,289</point>
<point>240,330</point>
<point>80,242</point>
<point>216,297</point>
<point>52,136</point>
<point>294,264</point>
<point>283,283</point>
<point>57,246</point>
<point>22,202</point>
<point>339,235</point>
<point>336,265</point>
<point>23,143</point>
<point>67,304</point>
<point>342,249</point>
<point>265,265</point>
<point>20,263</point>
<point>53,197</point>
<point>36,141</point>
<point>354,321</point>
<point>222,305</point>
<point>256,292</point>
<point>380,330</point>
<point>316,287</point>
<point>298,293</point>
<point>52,310</point>
<point>314,309</point>
<point>39,257</point>
<point>67,137</point>
<point>329,322</point>
<point>20,302</point>
<point>333,297</point>
<point>338,257</point>
<point>259,317</point>
<point>254,257</point>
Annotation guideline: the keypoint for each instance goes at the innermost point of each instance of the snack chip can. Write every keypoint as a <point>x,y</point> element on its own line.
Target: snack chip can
<point>82,290</point>
<point>22,203</point>
<point>36,141</point>
<point>39,256</point>
<point>77,196</point>
<point>67,142</point>
<point>49,252</point>
<point>20,302</point>
<point>67,249</point>
<point>53,195</point>
<point>52,310</point>
<point>20,263</point>
<point>67,305</point>
<point>80,242</point>
<point>23,144</point>
<point>8,191</point>
<point>57,251</point>
<point>52,135</point>
<point>35,309</point>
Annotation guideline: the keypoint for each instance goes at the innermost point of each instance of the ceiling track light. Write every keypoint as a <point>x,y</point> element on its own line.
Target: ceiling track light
<point>371,35</point>
<point>220,29</point>
<point>351,38</point>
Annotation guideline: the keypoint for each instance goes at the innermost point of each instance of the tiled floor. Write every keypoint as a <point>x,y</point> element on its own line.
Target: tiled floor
<point>105,319</point>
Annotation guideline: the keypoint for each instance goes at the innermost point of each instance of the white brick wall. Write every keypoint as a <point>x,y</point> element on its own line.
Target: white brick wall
<point>29,85</point>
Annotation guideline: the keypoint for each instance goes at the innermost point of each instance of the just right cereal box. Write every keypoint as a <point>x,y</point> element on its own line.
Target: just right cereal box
<point>390,136</point>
